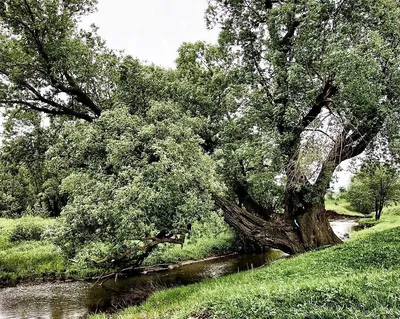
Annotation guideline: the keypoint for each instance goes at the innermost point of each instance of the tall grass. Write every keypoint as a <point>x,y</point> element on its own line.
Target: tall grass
<point>194,249</point>
<point>25,259</point>
<point>24,255</point>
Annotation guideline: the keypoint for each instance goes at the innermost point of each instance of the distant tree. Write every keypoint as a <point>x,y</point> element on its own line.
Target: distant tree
<point>27,183</point>
<point>374,187</point>
<point>359,196</point>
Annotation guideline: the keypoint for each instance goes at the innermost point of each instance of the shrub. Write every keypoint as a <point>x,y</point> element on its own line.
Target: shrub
<point>27,229</point>
<point>367,222</point>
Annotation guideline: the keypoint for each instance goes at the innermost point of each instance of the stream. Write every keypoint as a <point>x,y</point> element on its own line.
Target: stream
<point>79,299</point>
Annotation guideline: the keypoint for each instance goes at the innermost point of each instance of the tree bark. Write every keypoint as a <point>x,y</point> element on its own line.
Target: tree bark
<point>294,231</point>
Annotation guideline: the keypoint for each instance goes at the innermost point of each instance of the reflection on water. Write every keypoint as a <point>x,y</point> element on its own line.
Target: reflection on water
<point>344,228</point>
<point>44,301</point>
<point>78,299</point>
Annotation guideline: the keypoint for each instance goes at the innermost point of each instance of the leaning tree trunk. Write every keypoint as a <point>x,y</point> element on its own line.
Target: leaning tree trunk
<point>294,231</point>
<point>314,229</point>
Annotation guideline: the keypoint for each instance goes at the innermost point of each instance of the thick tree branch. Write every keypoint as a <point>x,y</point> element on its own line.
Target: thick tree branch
<point>287,38</point>
<point>347,147</point>
<point>324,98</point>
<point>64,111</point>
<point>277,233</point>
<point>247,201</point>
<point>74,90</point>
<point>80,95</point>
<point>145,249</point>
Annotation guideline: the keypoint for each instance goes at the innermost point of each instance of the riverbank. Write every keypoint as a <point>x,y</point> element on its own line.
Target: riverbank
<point>359,279</point>
<point>340,209</point>
<point>25,258</point>
<point>28,259</point>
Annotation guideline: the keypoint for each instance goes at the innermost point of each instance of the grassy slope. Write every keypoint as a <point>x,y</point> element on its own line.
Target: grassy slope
<point>341,207</point>
<point>359,279</point>
<point>194,249</point>
<point>26,259</point>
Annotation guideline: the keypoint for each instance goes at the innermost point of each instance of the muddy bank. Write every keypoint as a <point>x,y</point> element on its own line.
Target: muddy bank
<point>333,215</point>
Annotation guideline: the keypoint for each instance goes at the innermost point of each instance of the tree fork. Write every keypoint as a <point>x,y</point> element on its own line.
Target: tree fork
<point>290,233</point>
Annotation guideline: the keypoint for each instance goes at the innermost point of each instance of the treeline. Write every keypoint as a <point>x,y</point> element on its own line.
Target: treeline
<point>29,183</point>
<point>374,186</point>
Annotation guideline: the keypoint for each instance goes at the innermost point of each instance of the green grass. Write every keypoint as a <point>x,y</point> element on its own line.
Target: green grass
<point>390,219</point>
<point>359,279</point>
<point>194,249</point>
<point>26,259</point>
<point>341,207</point>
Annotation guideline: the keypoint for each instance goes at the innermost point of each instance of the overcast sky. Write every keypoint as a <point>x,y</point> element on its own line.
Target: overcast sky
<point>151,30</point>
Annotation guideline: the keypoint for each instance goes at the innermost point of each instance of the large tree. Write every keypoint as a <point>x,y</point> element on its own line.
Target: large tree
<point>293,89</point>
<point>324,80</point>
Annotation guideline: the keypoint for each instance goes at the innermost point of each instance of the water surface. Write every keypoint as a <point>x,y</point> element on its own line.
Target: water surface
<point>79,299</point>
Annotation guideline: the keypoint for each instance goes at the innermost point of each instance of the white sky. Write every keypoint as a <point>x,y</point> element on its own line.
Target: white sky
<point>151,30</point>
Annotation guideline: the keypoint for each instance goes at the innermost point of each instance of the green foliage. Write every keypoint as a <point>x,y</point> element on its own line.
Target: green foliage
<point>374,187</point>
<point>290,91</point>
<point>358,279</point>
<point>144,175</point>
<point>194,249</point>
<point>320,74</point>
<point>28,260</point>
<point>27,184</point>
<point>209,238</point>
<point>27,229</point>
<point>368,222</point>
<point>24,260</point>
<point>64,70</point>
<point>360,197</point>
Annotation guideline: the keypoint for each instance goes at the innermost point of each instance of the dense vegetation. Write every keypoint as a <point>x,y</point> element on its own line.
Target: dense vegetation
<point>26,254</point>
<point>375,186</point>
<point>108,163</point>
<point>359,279</point>
<point>132,157</point>
<point>22,255</point>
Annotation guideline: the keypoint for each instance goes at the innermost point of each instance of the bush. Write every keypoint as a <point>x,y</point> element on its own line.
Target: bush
<point>9,206</point>
<point>28,229</point>
<point>367,222</point>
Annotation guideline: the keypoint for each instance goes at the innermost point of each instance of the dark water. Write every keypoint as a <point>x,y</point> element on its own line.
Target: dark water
<point>79,299</point>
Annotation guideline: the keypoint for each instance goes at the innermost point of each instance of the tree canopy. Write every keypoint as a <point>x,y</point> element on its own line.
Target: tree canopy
<point>256,124</point>
<point>136,181</point>
<point>48,64</point>
<point>375,186</point>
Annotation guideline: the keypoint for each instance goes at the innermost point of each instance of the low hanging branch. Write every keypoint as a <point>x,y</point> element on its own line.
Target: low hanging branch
<point>124,262</point>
